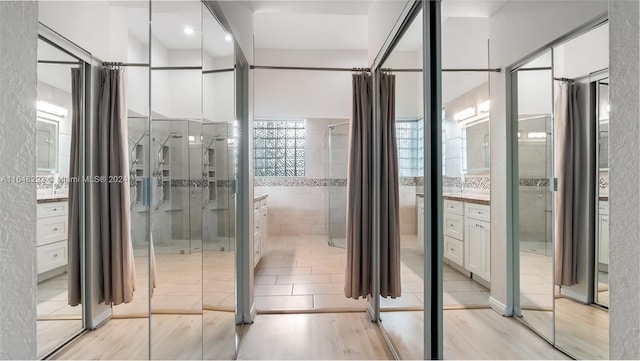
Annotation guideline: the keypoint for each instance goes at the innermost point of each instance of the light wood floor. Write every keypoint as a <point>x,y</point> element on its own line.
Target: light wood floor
<point>173,337</point>
<point>469,334</point>
<point>57,321</point>
<point>323,336</point>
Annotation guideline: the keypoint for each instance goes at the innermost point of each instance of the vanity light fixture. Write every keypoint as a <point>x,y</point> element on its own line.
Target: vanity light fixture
<point>228,37</point>
<point>464,114</point>
<point>192,138</point>
<point>536,135</point>
<point>484,107</point>
<point>51,109</point>
<point>188,30</point>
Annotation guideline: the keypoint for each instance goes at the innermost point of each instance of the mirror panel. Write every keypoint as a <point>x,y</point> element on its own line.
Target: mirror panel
<point>58,316</point>
<point>402,317</point>
<point>217,200</point>
<point>176,158</point>
<point>581,324</point>
<point>602,238</point>
<point>535,167</point>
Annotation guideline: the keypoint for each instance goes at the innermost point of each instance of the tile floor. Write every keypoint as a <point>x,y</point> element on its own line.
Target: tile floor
<point>304,273</point>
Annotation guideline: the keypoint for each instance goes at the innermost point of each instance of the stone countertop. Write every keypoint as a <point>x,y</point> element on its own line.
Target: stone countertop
<point>260,197</point>
<point>471,198</point>
<point>52,200</point>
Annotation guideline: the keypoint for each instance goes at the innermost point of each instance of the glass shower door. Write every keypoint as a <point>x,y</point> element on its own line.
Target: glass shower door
<point>337,153</point>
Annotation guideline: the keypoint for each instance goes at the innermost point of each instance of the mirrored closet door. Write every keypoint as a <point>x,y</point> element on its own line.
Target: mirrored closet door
<point>561,141</point>
<point>59,136</point>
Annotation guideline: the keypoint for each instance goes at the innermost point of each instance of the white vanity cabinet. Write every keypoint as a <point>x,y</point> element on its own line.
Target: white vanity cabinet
<point>453,227</point>
<point>477,237</point>
<point>603,232</point>
<point>51,234</point>
<point>259,228</point>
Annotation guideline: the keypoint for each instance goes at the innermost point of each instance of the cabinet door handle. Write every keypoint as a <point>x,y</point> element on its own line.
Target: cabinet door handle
<point>55,209</point>
<point>479,212</point>
<point>55,255</point>
<point>55,229</point>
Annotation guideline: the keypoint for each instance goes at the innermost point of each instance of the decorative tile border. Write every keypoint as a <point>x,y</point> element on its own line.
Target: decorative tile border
<point>470,182</point>
<point>318,182</point>
<point>533,182</point>
<point>475,182</point>
<point>604,182</point>
<point>186,183</point>
<point>48,182</point>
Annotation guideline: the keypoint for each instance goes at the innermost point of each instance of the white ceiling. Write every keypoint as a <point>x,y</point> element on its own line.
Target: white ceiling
<point>313,24</point>
<point>286,30</point>
<point>336,7</point>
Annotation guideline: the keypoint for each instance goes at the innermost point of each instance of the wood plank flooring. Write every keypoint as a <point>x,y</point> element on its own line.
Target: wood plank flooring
<point>345,336</point>
<point>469,334</point>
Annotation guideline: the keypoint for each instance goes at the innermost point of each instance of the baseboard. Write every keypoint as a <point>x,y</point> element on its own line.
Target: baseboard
<point>500,307</point>
<point>568,292</point>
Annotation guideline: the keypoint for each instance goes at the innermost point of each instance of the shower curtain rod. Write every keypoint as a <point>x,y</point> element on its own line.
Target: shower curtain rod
<point>273,67</point>
<point>107,63</point>
<point>311,68</point>
<point>58,62</point>
<point>217,71</point>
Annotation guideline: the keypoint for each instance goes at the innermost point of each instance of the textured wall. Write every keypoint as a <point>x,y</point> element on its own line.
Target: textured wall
<point>624,201</point>
<point>18,35</point>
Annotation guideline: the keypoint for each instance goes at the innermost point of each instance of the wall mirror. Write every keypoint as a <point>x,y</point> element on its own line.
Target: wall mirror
<point>466,136</point>
<point>47,145</point>
<point>562,227</point>
<point>476,142</point>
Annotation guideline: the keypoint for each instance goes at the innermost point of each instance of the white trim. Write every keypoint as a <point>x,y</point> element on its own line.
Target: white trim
<point>500,307</point>
<point>574,295</point>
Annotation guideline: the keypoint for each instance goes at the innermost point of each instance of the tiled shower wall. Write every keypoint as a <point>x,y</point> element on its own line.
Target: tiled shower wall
<point>298,206</point>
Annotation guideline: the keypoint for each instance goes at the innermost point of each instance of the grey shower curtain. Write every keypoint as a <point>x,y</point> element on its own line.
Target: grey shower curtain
<point>576,173</point>
<point>359,190</point>
<point>389,192</point>
<point>73,237</point>
<point>118,268</point>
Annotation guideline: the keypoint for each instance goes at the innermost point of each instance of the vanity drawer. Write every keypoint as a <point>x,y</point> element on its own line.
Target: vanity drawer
<point>478,211</point>
<point>454,207</point>
<point>603,207</point>
<point>52,256</point>
<point>45,210</point>
<point>454,250</point>
<point>52,229</point>
<point>421,202</point>
<point>454,226</point>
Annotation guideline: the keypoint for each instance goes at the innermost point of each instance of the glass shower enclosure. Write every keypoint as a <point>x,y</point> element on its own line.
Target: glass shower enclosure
<point>337,154</point>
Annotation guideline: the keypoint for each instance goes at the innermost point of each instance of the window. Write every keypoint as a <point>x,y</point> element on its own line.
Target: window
<point>409,134</point>
<point>279,148</point>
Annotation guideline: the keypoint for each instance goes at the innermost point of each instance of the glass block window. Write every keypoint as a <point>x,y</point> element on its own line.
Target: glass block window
<point>409,134</point>
<point>279,148</point>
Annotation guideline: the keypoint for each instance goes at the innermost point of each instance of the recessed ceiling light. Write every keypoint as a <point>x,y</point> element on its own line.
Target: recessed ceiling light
<point>228,37</point>
<point>188,30</point>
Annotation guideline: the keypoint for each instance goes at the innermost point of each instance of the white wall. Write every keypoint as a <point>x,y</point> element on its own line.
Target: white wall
<point>624,231</point>
<point>18,43</point>
<point>304,94</point>
<point>516,30</point>
<point>582,55</point>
